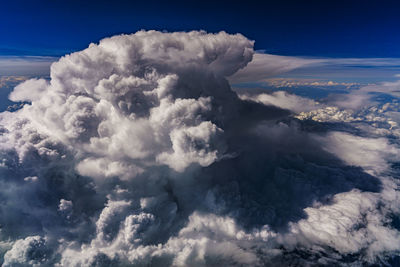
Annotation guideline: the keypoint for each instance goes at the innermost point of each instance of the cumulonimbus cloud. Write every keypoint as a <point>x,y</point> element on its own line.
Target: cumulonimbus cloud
<point>137,152</point>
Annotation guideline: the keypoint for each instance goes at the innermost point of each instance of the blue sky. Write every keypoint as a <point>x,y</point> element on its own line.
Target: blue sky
<point>301,28</point>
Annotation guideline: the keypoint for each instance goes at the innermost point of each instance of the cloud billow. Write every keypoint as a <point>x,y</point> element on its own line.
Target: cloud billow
<point>137,152</point>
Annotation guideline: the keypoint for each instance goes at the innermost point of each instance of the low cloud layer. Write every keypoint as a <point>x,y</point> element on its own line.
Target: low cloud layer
<point>137,152</point>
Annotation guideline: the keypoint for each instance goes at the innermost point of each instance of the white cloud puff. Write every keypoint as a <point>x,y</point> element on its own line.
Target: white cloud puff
<point>31,251</point>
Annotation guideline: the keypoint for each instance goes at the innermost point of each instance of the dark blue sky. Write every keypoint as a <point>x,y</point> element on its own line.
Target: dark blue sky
<point>306,28</point>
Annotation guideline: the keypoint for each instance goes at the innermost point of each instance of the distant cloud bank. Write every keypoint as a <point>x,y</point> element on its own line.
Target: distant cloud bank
<point>266,66</point>
<point>25,65</point>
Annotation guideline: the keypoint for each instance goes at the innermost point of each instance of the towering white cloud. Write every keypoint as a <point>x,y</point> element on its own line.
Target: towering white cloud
<point>137,152</point>
<point>131,98</point>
